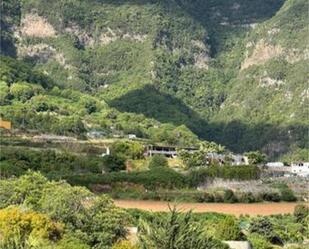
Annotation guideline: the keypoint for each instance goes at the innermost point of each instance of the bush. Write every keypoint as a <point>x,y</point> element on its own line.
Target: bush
<point>271,196</point>
<point>259,242</point>
<point>158,161</point>
<point>113,164</point>
<point>161,177</point>
<point>229,196</point>
<point>247,197</point>
<point>301,212</point>
<point>199,176</point>
<point>287,195</point>
<point>24,91</point>
<point>124,244</point>
<point>19,227</point>
<point>98,221</point>
<point>228,229</point>
<point>264,227</point>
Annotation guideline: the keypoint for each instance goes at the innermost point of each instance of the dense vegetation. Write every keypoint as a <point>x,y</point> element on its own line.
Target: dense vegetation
<point>37,213</point>
<point>170,71</point>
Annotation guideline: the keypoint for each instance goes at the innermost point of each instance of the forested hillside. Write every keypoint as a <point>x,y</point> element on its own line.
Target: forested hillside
<point>173,71</point>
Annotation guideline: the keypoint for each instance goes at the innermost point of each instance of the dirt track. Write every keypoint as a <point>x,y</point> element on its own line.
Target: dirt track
<point>235,209</point>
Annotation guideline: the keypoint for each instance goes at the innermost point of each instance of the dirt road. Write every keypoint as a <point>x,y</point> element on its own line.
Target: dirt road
<point>235,209</point>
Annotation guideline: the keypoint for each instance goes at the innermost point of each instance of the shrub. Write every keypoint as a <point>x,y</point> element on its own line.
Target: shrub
<point>247,197</point>
<point>199,176</point>
<point>229,196</point>
<point>161,177</point>
<point>271,196</point>
<point>124,244</point>
<point>4,93</point>
<point>158,161</point>
<point>113,163</point>
<point>24,91</point>
<point>127,150</point>
<point>259,242</point>
<point>19,227</point>
<point>301,212</point>
<point>98,221</point>
<point>287,195</point>
<point>264,227</point>
<point>228,229</point>
<point>205,197</point>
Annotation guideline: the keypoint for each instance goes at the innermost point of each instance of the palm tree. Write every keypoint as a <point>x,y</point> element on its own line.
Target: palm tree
<point>175,231</point>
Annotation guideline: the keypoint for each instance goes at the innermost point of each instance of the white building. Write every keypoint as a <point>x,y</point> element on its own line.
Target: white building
<point>274,164</point>
<point>300,169</point>
<point>240,160</point>
<point>95,134</point>
<point>131,136</point>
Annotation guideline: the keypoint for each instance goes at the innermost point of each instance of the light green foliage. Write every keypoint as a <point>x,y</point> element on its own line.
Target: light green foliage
<point>256,157</point>
<point>227,229</point>
<point>158,161</point>
<point>301,213</point>
<point>94,220</point>
<point>23,91</point>
<point>127,150</point>
<point>69,242</point>
<point>4,92</point>
<point>177,230</point>
<point>259,242</point>
<point>124,244</point>
<point>199,157</point>
<point>27,229</point>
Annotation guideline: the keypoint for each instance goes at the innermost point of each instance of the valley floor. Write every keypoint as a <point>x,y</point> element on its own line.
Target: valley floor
<point>237,209</point>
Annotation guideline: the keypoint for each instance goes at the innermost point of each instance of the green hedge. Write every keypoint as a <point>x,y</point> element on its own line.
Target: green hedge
<point>226,172</point>
<point>155,178</point>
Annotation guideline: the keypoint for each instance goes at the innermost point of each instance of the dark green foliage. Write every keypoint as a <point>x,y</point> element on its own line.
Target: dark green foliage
<point>12,70</point>
<point>247,197</point>
<point>301,212</point>
<point>47,161</point>
<point>227,172</point>
<point>229,196</point>
<point>112,163</point>
<point>91,107</point>
<point>160,177</point>
<point>288,195</point>
<point>271,196</point>
<point>158,161</point>
<point>10,16</point>
<point>263,226</point>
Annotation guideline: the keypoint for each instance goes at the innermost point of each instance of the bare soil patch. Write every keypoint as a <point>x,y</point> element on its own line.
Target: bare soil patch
<point>226,208</point>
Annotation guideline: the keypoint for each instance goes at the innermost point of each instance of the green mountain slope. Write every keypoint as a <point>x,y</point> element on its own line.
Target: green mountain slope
<point>230,71</point>
<point>269,96</point>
